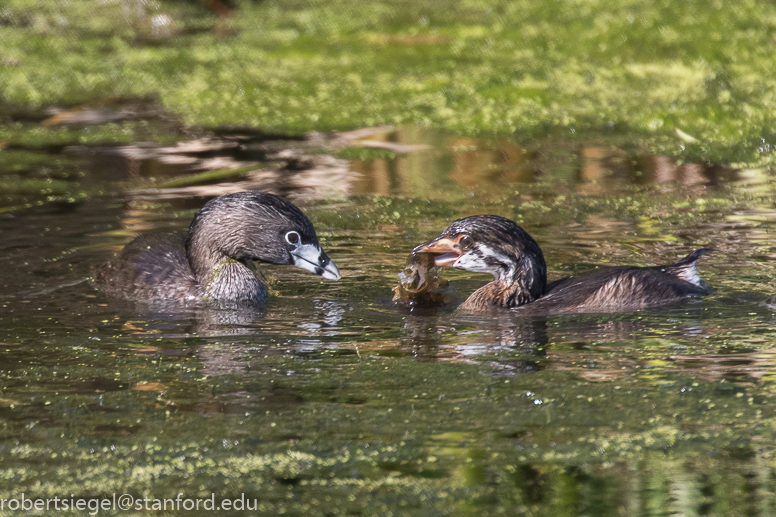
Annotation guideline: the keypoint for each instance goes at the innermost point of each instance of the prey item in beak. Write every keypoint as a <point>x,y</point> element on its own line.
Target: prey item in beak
<point>446,251</point>
<point>313,259</point>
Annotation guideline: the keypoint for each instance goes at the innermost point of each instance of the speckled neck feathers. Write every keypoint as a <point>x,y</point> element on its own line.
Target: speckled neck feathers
<point>233,282</point>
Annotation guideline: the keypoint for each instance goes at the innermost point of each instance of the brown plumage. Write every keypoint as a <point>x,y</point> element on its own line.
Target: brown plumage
<point>495,245</point>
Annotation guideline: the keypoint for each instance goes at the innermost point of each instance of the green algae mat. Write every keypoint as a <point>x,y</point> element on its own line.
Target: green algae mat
<point>526,67</point>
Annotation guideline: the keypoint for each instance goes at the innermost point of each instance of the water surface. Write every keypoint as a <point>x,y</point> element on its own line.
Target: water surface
<point>333,400</point>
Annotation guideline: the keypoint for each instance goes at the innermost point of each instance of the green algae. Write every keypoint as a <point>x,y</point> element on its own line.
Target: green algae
<point>310,441</point>
<point>535,69</point>
<point>30,136</point>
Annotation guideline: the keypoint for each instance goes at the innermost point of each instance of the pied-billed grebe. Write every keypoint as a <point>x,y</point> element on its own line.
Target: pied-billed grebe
<point>495,245</point>
<point>213,262</point>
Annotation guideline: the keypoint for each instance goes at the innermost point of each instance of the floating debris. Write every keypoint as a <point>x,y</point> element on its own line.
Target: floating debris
<point>393,146</point>
<point>684,137</point>
<point>86,116</point>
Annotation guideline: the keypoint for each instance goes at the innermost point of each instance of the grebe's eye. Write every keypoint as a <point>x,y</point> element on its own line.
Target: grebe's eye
<point>293,238</point>
<point>466,242</point>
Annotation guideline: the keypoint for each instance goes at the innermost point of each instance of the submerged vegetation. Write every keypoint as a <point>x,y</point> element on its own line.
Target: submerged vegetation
<point>568,69</point>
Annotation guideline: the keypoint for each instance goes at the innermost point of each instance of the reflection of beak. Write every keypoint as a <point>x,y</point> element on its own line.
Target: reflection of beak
<point>445,251</point>
<point>312,258</point>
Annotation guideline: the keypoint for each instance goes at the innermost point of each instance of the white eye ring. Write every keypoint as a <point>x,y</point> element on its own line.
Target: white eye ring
<point>293,238</point>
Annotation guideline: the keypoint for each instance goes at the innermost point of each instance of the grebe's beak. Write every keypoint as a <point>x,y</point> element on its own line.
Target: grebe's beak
<point>446,251</point>
<point>313,259</point>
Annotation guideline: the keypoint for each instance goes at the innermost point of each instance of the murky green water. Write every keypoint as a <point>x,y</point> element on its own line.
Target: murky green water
<point>333,401</point>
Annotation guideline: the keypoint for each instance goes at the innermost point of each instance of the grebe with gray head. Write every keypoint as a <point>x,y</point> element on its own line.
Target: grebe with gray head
<point>213,262</point>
